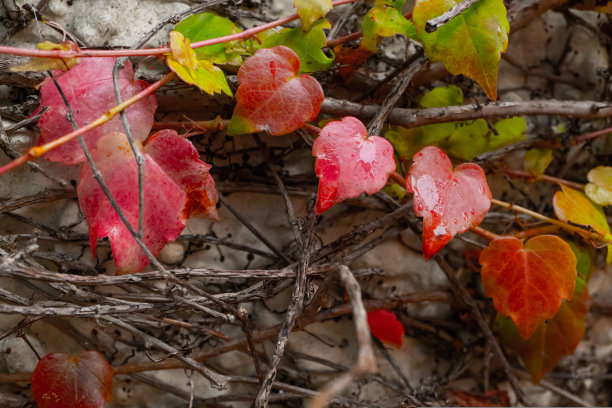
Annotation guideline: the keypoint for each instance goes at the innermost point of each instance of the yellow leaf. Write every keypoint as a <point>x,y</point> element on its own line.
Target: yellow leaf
<point>311,10</point>
<point>45,64</point>
<point>201,73</point>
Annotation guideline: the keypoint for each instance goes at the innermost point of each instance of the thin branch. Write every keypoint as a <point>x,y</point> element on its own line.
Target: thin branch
<point>437,22</point>
<point>411,118</point>
<point>366,362</point>
<point>403,80</point>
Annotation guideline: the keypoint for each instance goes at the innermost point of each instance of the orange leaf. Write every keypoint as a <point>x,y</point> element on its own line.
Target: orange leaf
<point>557,338</point>
<point>527,283</point>
<point>492,398</point>
<point>61,380</point>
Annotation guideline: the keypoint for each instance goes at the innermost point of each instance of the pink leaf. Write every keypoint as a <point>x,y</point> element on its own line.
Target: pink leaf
<point>385,327</point>
<point>164,202</point>
<point>449,201</point>
<point>180,160</point>
<point>349,162</point>
<point>88,87</point>
<point>273,96</point>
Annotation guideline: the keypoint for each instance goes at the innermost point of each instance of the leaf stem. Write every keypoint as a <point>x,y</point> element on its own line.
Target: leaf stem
<point>64,54</point>
<point>607,238</point>
<point>38,151</point>
<point>481,232</point>
<point>398,179</point>
<point>544,177</point>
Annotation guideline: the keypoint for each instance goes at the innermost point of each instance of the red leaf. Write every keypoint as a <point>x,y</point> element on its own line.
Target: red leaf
<point>492,398</point>
<point>88,87</point>
<point>528,283</point>
<point>61,380</point>
<point>557,338</point>
<point>349,162</point>
<point>181,162</point>
<point>164,202</point>
<point>273,96</point>
<point>449,201</point>
<point>385,327</point>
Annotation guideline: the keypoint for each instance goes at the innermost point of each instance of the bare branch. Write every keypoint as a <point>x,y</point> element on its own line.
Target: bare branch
<point>437,22</point>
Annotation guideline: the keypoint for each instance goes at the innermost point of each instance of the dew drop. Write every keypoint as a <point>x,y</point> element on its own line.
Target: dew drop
<point>420,207</point>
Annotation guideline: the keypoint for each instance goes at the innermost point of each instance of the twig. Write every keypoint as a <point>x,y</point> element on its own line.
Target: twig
<point>294,309</point>
<point>366,362</point>
<point>437,22</point>
<point>254,230</point>
<point>403,80</point>
<point>465,298</point>
<point>411,118</point>
<point>560,391</point>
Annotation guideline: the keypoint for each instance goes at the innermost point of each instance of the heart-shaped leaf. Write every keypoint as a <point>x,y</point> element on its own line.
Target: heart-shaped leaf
<point>349,162</point>
<point>527,283</point>
<point>61,380</point>
<point>469,44</point>
<point>272,96</point>
<point>88,86</point>
<point>164,203</point>
<point>449,201</point>
<point>556,338</point>
<point>311,10</point>
<point>385,327</point>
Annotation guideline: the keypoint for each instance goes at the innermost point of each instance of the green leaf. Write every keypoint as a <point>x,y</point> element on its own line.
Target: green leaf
<point>465,140</point>
<point>201,73</point>
<point>557,338</point>
<point>537,160</point>
<point>205,26</point>
<point>599,188</point>
<point>471,43</point>
<point>469,139</point>
<point>385,19</point>
<point>509,131</point>
<point>442,96</point>
<point>311,10</point>
<point>308,46</point>
<point>584,261</point>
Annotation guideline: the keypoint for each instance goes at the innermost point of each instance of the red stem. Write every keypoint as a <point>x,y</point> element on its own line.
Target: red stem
<point>484,233</point>
<point>151,51</point>
<point>398,179</point>
<point>544,177</point>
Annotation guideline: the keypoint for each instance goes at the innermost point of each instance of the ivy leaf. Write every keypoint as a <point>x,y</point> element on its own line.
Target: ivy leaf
<point>536,161</point>
<point>556,338</point>
<point>205,26</point>
<point>272,95</point>
<point>88,86</point>
<point>164,203</point>
<point>507,131</point>
<point>385,19</point>
<point>201,73</point>
<point>45,64</point>
<point>449,201</point>
<point>442,96</point>
<point>181,161</point>
<point>311,10</point>
<point>574,207</point>
<point>307,45</point>
<point>61,380</point>
<point>527,283</point>
<point>349,162</point>
<point>349,58</point>
<point>599,188</point>
<point>469,44</point>
<point>385,327</point>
